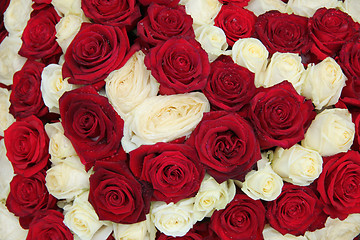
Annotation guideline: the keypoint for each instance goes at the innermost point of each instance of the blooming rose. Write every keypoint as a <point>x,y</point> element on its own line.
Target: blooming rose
<point>250,53</point>
<point>180,65</point>
<point>10,227</point>
<point>6,172</point>
<point>331,132</point>
<point>307,8</point>
<point>262,6</point>
<point>163,119</point>
<point>352,7</point>
<point>14,24</point>
<point>6,119</point>
<point>203,11</point>
<point>226,145</point>
<point>270,233</point>
<point>243,218</point>
<point>281,32</point>
<point>144,230</point>
<point>280,116</point>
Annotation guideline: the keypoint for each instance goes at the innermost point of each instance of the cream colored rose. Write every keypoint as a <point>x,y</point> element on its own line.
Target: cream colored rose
<point>203,11</point>
<point>9,225</point>
<point>250,53</point>
<point>130,85</point>
<point>6,119</point>
<point>163,119</point>
<point>352,7</point>
<point>68,7</point>
<point>323,83</point>
<point>59,145</point>
<point>144,230</point>
<point>331,132</point>
<point>212,40</point>
<point>297,165</point>
<point>307,8</point>
<point>282,66</point>
<point>16,16</point>
<point>53,86</point>
<point>173,219</point>
<point>261,6</point>
<point>212,196</point>
<point>6,172</point>
<point>270,233</point>
<point>11,61</point>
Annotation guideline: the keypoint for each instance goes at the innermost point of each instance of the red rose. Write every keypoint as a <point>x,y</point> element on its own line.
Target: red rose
<point>281,32</point>
<point>116,195</point>
<point>226,145</point>
<point>39,41</point>
<point>170,3</point>
<point>242,219</point>
<point>95,51</point>
<point>180,65</point>
<point>240,3</point>
<point>27,196</point>
<point>330,29</point>
<point>338,184</point>
<point>3,7</point>
<point>120,13</point>
<point>280,115</point>
<point>236,22</point>
<point>295,211</point>
<point>27,146</point>
<point>48,224</point>
<point>173,170</point>
<point>229,86</point>
<point>92,125</point>
<point>163,22</point>
<point>25,97</point>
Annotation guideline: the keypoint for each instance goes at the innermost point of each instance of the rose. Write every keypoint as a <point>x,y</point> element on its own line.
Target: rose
<point>202,11</point>
<point>281,32</point>
<point>351,7</point>
<point>6,172</point>
<point>49,224</point>
<point>13,24</point>
<point>3,32</point>
<point>229,86</point>
<point>307,8</point>
<point>122,13</point>
<point>95,51</point>
<point>271,234</point>
<point>10,227</point>
<point>27,146</point>
<point>180,65</point>
<point>6,119</point>
<point>329,30</point>
<point>262,6</point>
<point>190,235</point>
<point>295,211</point>
<point>280,116</point>
<point>68,7</point>
<point>243,218</point>
<point>226,145</point>
<point>163,22</point>
<point>337,184</point>
<point>142,230</point>
<point>236,22</point>
<point>92,125</point>
<point>170,3</point>
<point>331,132</point>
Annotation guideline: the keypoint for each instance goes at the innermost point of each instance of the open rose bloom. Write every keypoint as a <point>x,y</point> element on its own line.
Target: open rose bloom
<point>180,119</point>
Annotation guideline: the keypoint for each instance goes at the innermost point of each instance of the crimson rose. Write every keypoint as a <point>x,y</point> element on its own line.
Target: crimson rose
<point>3,31</point>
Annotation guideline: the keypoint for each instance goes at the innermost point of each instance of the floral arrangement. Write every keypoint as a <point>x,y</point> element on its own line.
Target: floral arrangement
<point>168,119</point>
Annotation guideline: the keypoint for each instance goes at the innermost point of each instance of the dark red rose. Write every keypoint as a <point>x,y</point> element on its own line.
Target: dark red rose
<point>280,115</point>
<point>25,97</point>
<point>190,235</point>
<point>240,3</point>
<point>27,146</point>
<point>356,120</point>
<point>226,145</point>
<point>92,125</point>
<point>116,195</point>
<point>296,210</point>
<point>237,22</point>
<point>180,65</point>
<point>39,41</point>
<point>95,51</point>
<point>117,13</point>
<point>339,184</point>
<point>281,32</point>
<point>242,219</point>
<point>48,224</point>
<point>173,170</point>
<point>162,23</point>
<point>229,86</point>
<point>27,196</point>
<point>329,30</point>
<point>3,31</point>
<point>170,3</point>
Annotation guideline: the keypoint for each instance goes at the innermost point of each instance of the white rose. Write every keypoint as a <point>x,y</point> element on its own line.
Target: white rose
<point>163,119</point>
<point>261,6</point>
<point>352,7</point>
<point>297,165</point>
<point>9,225</point>
<point>282,66</point>
<point>130,85</point>
<point>144,230</point>
<point>203,11</point>
<point>6,119</point>
<point>16,16</point>
<point>331,132</point>
<point>323,83</point>
<point>270,233</point>
<point>307,8</point>
<point>6,173</point>
<point>68,7</point>
<point>53,86</point>
<point>212,40</point>
<point>59,145</point>
<point>212,196</point>
<point>250,53</point>
<point>11,61</point>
